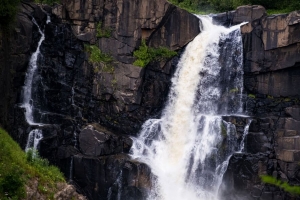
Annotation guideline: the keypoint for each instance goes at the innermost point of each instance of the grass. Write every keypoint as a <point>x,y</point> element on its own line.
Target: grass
<point>144,55</point>
<point>17,168</point>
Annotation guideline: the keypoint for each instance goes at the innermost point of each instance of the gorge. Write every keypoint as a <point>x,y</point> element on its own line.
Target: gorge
<point>109,126</point>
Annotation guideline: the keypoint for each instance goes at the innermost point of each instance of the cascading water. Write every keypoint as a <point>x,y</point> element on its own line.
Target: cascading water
<point>185,147</point>
<point>33,140</point>
<point>35,135</point>
<point>27,89</point>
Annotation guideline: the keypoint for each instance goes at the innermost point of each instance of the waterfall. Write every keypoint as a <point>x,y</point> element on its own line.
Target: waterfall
<point>27,89</point>
<point>35,135</point>
<point>33,140</point>
<point>189,147</point>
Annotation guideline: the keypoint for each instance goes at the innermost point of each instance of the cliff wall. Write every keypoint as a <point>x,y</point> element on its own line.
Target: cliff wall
<point>91,109</point>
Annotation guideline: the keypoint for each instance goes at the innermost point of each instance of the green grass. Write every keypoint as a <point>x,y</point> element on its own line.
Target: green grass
<point>144,55</point>
<point>294,190</point>
<point>17,168</point>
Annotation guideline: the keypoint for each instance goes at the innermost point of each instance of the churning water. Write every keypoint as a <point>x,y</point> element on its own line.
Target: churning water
<point>185,148</point>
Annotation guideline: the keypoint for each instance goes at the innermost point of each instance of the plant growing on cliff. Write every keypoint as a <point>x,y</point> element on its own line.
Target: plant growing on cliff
<point>144,55</point>
<point>99,59</point>
<point>102,31</point>
<point>294,190</point>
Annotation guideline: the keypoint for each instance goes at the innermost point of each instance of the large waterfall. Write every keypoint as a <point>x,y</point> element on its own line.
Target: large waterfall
<point>188,148</point>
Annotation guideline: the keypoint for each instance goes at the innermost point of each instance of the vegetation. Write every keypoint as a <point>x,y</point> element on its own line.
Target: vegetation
<point>48,2</point>
<point>99,59</point>
<point>144,55</point>
<point>17,168</point>
<point>103,31</point>
<point>8,11</point>
<point>209,6</point>
<point>294,190</point>
<point>252,96</point>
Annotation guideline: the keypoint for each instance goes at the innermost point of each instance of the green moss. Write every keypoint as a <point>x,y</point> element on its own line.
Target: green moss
<point>294,190</point>
<point>234,90</point>
<point>144,55</point>
<point>251,96</point>
<point>16,168</point>
<point>223,130</point>
<point>102,31</point>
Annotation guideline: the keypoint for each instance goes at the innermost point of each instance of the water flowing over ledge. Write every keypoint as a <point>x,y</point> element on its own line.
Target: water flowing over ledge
<point>189,147</point>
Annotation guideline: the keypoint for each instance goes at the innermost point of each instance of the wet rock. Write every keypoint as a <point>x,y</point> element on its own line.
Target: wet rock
<point>112,176</point>
<point>100,142</point>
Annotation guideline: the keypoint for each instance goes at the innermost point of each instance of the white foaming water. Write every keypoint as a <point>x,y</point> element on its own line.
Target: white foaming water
<point>183,147</point>
<point>33,140</point>
<point>27,89</point>
<point>35,135</point>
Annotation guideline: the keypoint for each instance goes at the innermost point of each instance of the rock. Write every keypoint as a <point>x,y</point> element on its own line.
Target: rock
<point>112,176</point>
<point>93,142</point>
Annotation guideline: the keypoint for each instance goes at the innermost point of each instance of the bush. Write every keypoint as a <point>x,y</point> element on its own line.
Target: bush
<point>96,56</point>
<point>144,55</point>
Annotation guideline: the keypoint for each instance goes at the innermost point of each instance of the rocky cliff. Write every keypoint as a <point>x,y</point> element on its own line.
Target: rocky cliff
<point>90,110</point>
<point>73,96</point>
<point>271,81</point>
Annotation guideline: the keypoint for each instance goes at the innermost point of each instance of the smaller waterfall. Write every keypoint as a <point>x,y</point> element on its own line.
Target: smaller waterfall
<point>71,169</point>
<point>27,89</point>
<point>35,135</point>
<point>246,131</point>
<point>33,140</point>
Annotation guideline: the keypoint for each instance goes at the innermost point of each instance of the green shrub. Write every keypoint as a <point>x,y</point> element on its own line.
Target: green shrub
<point>96,56</point>
<point>144,55</point>
<point>103,31</point>
<point>294,190</point>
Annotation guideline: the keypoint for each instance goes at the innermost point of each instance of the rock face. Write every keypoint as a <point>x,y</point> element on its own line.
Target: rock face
<point>91,109</point>
<point>271,59</point>
<point>72,96</point>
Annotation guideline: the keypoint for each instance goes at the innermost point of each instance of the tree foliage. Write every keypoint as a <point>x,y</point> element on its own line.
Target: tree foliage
<point>226,5</point>
<point>8,10</point>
